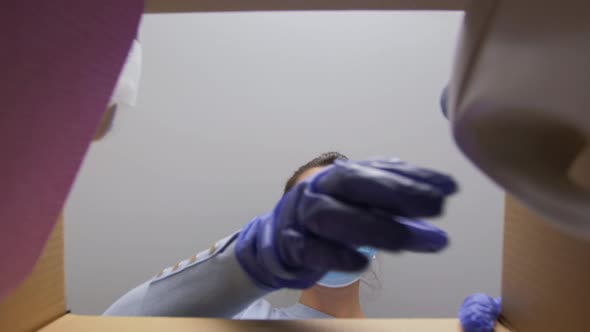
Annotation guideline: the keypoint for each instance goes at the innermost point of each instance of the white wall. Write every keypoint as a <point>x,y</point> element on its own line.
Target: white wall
<point>231,104</point>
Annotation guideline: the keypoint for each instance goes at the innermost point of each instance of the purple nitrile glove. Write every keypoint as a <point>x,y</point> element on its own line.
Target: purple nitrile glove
<point>479,313</point>
<point>317,226</point>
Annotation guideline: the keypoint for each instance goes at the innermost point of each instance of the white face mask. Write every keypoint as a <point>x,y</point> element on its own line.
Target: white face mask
<point>125,92</point>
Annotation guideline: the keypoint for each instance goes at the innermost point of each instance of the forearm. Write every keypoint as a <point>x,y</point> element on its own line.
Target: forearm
<point>210,284</point>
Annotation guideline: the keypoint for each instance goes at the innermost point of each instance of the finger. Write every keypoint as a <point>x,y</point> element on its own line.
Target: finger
<point>370,187</point>
<point>438,180</point>
<point>336,221</point>
<point>424,237</point>
<point>314,253</point>
<point>478,313</point>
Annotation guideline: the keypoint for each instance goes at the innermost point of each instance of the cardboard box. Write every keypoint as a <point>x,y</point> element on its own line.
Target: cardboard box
<point>546,273</point>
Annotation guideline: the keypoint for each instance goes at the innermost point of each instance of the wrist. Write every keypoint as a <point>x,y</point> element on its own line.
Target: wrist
<point>257,250</point>
<point>248,254</point>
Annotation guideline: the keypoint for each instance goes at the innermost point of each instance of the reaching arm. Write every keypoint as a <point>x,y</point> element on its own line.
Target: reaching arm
<point>210,284</point>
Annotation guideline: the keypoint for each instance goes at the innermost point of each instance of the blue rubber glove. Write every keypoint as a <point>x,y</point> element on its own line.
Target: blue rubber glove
<point>479,313</point>
<point>317,226</point>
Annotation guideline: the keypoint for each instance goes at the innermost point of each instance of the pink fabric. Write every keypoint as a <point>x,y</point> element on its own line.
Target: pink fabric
<point>59,63</point>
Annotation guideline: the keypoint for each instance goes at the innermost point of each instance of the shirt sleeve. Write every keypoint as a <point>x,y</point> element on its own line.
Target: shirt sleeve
<point>210,284</point>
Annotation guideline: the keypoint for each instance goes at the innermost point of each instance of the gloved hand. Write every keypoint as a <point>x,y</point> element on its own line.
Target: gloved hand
<point>479,313</point>
<point>317,226</point>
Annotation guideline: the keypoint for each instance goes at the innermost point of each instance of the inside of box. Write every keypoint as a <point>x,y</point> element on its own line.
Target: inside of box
<point>40,299</point>
<point>545,280</point>
<point>545,274</point>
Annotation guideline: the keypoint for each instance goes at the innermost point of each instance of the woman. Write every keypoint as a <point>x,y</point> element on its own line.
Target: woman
<point>318,238</point>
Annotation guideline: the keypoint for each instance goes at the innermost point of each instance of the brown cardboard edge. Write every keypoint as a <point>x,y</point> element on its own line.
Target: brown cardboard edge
<point>179,6</point>
<point>40,299</point>
<point>71,323</point>
<point>545,274</point>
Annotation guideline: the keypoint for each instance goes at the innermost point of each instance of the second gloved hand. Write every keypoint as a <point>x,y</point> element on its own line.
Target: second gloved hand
<point>317,226</point>
<point>479,313</point>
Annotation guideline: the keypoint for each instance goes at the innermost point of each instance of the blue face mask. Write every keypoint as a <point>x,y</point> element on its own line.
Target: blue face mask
<point>337,279</point>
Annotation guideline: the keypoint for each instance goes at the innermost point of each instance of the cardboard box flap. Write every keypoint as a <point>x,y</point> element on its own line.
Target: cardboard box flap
<point>41,297</point>
<point>546,275</point>
<point>175,6</point>
<point>73,323</point>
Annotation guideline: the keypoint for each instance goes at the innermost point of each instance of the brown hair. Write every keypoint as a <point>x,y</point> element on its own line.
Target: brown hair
<point>324,159</point>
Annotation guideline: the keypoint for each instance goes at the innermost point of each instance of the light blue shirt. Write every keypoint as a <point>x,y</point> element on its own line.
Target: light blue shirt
<point>209,284</point>
<point>262,309</point>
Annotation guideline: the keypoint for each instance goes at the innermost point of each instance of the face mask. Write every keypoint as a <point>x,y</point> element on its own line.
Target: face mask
<point>338,279</point>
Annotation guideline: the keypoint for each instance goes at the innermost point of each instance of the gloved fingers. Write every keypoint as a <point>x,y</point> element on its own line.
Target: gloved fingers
<point>374,228</point>
<point>479,313</point>
<point>424,237</point>
<point>374,188</point>
<point>311,252</point>
<point>336,221</point>
<point>438,180</point>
